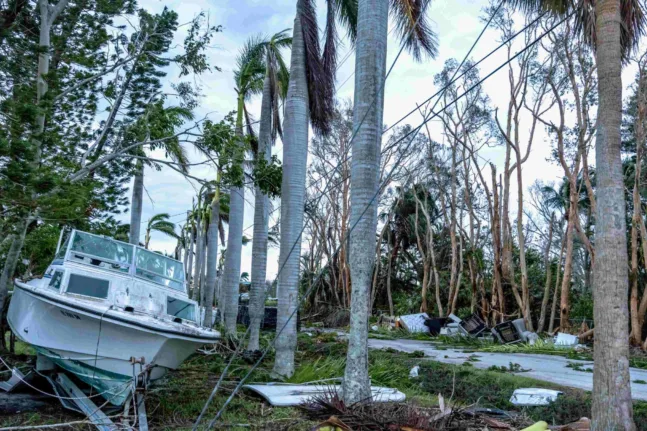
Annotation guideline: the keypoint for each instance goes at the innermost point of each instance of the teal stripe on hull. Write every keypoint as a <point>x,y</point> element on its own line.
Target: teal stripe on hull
<point>115,388</point>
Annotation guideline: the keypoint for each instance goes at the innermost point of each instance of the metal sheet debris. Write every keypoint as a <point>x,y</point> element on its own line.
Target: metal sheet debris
<point>284,395</point>
<point>534,396</point>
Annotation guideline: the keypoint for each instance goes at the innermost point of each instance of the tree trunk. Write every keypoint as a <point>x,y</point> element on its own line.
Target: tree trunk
<point>547,265</point>
<point>525,290</point>
<point>189,256</point>
<point>136,204</point>
<point>452,236</point>
<point>636,328</point>
<point>10,263</point>
<point>370,69</point>
<point>48,15</point>
<point>389,296</point>
<point>295,158</point>
<point>261,217</point>
<point>553,307</point>
<point>212,257</point>
<point>231,272</point>
<point>565,304</point>
<point>612,407</point>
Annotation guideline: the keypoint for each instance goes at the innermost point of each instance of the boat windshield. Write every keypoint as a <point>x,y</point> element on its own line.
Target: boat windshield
<point>159,269</point>
<point>100,251</point>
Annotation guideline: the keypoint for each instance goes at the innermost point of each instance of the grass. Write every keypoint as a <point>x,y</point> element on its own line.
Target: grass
<point>467,385</point>
<point>579,367</point>
<point>176,401</point>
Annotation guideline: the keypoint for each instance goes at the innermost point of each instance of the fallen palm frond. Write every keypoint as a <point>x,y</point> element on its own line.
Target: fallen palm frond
<point>368,416</point>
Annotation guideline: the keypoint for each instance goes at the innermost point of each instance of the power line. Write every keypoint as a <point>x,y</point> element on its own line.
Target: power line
<point>472,66</point>
<point>362,214</point>
<point>213,393</point>
<point>369,205</point>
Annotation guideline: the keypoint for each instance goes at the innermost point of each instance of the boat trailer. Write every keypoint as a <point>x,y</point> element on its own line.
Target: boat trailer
<point>75,399</point>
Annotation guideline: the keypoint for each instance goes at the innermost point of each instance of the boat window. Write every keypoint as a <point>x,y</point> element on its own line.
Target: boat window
<point>55,282</point>
<point>63,249</point>
<point>88,286</point>
<point>182,309</point>
<point>159,269</point>
<point>102,252</point>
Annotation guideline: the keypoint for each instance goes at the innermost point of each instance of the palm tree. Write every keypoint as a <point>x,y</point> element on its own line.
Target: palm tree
<point>614,28</point>
<point>370,72</point>
<point>156,123</point>
<point>249,81</point>
<point>309,101</point>
<point>274,89</point>
<point>159,223</point>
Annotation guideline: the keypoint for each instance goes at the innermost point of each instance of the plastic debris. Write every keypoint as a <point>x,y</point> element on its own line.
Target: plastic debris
<point>282,395</point>
<point>534,396</point>
<point>374,328</point>
<point>414,322</point>
<point>539,426</point>
<point>414,372</point>
<point>566,340</point>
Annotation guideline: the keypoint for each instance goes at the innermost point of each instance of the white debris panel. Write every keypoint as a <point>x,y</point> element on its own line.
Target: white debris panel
<point>282,395</point>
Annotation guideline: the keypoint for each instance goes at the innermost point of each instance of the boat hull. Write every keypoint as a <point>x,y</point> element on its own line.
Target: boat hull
<point>98,348</point>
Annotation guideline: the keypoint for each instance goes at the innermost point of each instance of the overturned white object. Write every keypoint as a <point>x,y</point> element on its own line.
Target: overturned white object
<point>414,322</point>
<point>566,340</point>
<point>414,372</point>
<point>282,395</point>
<point>534,396</point>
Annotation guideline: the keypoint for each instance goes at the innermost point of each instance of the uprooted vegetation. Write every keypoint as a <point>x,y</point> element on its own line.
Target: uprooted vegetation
<point>177,400</point>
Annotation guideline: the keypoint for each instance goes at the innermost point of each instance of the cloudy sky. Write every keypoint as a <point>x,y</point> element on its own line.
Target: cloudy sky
<point>457,24</point>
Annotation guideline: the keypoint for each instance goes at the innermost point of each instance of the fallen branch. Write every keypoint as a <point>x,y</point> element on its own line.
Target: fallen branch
<point>584,336</point>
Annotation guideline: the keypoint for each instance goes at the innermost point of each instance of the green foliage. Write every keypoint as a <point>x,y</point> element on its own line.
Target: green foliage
<point>493,389</point>
<point>268,176</point>
<point>222,140</point>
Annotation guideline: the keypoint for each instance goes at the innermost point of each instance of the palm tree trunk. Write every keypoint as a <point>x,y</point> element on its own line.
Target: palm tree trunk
<point>261,217</point>
<point>612,407</point>
<point>189,256</point>
<point>370,68</point>
<point>295,157</point>
<point>136,204</point>
<point>212,257</point>
<point>199,244</point>
<point>231,272</point>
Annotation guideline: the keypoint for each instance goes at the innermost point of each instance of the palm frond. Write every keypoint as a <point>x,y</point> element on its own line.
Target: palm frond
<point>633,25</point>
<point>176,152</point>
<point>346,13</point>
<point>251,133</point>
<point>413,27</point>
<point>250,70</point>
<point>320,95</point>
<point>158,217</point>
<point>559,7</point>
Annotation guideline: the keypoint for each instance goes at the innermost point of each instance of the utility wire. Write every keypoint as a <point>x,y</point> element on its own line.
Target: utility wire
<point>213,393</point>
<point>375,196</point>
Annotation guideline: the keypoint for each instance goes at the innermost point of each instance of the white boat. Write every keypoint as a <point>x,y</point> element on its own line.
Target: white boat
<point>110,313</point>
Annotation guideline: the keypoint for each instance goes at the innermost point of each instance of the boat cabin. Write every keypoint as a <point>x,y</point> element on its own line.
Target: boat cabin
<point>127,277</point>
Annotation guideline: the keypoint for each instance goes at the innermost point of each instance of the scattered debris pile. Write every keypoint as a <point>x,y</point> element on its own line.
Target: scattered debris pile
<point>335,415</point>
<point>508,332</point>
